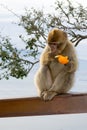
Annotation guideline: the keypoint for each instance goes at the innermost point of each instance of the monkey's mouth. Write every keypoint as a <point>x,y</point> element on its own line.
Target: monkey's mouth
<point>53,49</point>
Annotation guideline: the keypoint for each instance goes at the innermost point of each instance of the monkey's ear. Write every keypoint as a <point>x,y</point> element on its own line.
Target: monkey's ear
<point>65,34</point>
<point>55,30</point>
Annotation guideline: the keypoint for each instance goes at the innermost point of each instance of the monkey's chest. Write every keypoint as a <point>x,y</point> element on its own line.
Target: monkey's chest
<point>55,68</point>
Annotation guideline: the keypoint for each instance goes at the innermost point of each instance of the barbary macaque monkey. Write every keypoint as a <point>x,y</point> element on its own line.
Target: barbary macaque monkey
<point>53,78</point>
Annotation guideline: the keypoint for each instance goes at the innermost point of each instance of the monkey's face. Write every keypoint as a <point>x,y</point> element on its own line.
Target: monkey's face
<point>57,41</point>
<point>55,47</point>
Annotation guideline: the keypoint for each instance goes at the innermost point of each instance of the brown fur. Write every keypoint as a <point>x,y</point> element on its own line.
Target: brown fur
<point>54,78</point>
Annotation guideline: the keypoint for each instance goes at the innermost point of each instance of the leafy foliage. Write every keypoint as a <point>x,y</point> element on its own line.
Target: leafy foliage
<point>36,23</point>
<point>10,61</point>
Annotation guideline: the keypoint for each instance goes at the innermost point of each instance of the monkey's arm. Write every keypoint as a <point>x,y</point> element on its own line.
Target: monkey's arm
<point>46,57</point>
<point>72,65</point>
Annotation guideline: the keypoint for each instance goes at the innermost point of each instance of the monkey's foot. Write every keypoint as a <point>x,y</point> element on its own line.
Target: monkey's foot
<point>43,93</point>
<point>49,95</point>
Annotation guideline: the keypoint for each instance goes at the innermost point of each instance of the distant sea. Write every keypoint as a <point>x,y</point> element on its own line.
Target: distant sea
<point>25,88</point>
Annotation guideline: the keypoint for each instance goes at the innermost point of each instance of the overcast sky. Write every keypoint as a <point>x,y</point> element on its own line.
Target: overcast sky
<point>18,6</point>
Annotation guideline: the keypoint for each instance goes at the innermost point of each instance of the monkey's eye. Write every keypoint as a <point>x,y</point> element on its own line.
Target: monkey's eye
<point>53,43</point>
<point>60,43</point>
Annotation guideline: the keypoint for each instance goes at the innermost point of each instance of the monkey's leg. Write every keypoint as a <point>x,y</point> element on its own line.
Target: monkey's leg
<point>62,84</point>
<point>43,80</point>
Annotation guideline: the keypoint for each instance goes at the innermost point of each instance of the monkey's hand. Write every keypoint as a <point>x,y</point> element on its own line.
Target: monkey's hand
<point>48,95</point>
<point>51,56</point>
<point>62,59</point>
<point>70,67</point>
